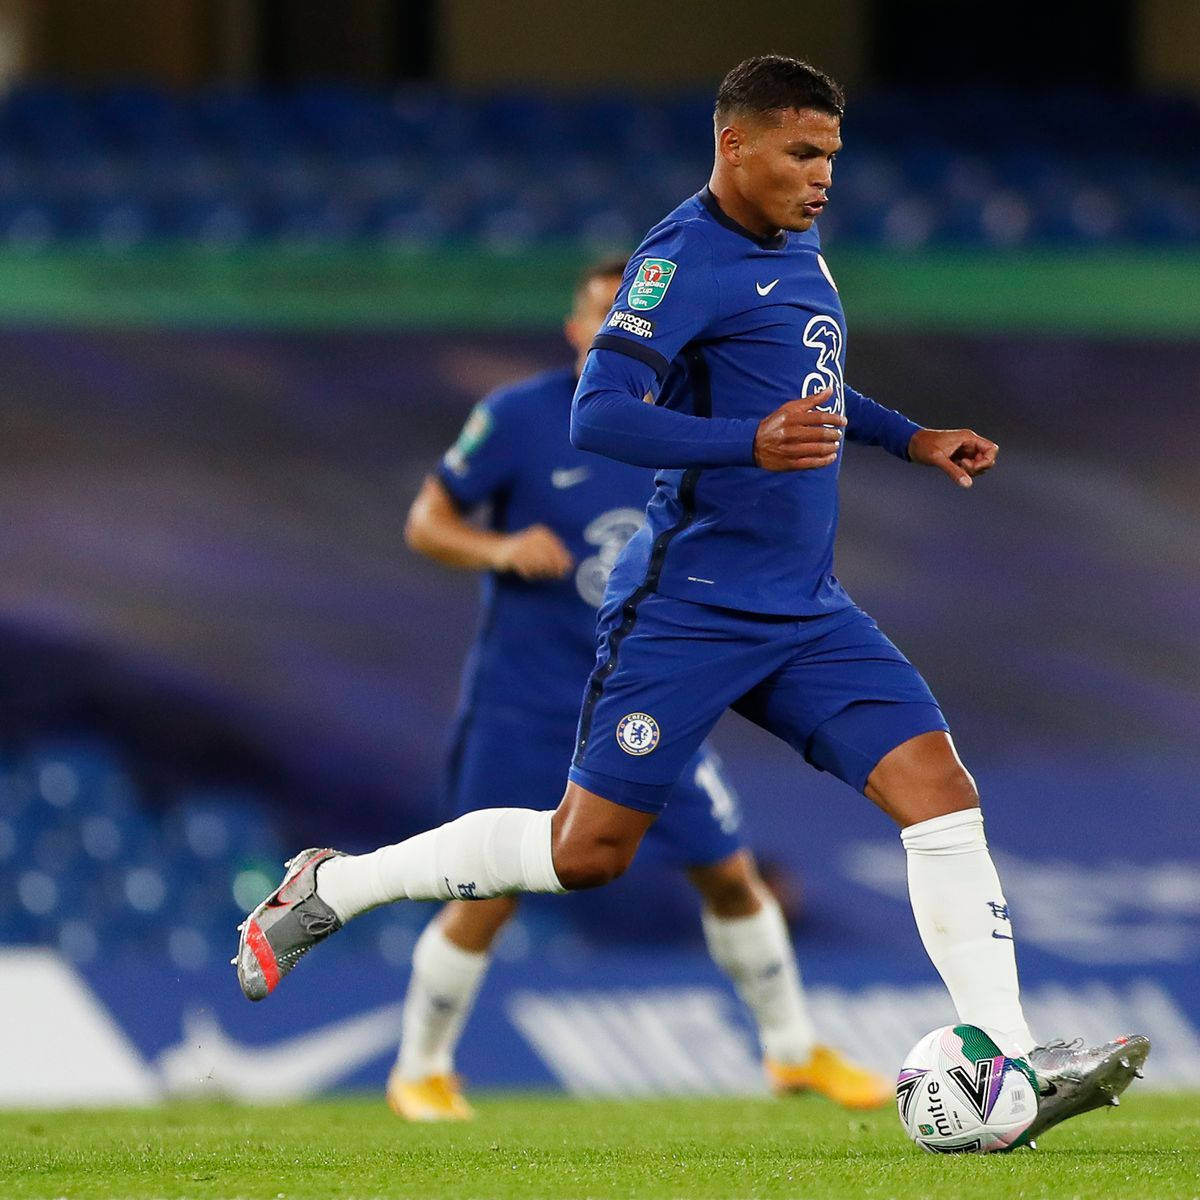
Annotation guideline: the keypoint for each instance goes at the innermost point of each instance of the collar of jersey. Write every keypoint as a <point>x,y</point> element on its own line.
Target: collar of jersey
<point>776,241</point>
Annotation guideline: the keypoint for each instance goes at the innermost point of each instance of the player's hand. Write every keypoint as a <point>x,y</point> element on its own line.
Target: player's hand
<point>961,453</point>
<point>795,437</point>
<point>533,553</point>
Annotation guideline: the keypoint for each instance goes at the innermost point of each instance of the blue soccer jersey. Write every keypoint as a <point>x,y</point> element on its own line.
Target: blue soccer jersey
<point>716,323</point>
<point>726,597</point>
<point>536,645</point>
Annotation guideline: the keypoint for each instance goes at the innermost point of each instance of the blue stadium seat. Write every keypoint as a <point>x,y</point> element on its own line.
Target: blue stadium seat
<point>90,861</point>
<point>418,166</point>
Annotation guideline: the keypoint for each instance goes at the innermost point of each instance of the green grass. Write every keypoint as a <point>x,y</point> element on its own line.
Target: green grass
<point>526,1146</point>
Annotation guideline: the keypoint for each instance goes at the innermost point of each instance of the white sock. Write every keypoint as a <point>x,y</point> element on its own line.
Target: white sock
<point>492,852</point>
<point>963,920</point>
<point>756,953</point>
<point>441,994</point>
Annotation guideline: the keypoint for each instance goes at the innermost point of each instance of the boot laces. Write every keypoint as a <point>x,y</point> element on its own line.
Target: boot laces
<point>1060,1044</point>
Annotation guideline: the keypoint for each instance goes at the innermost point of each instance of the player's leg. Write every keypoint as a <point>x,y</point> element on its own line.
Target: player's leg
<point>856,707</point>
<point>494,752</point>
<point>492,852</point>
<point>701,831</point>
<point>453,953</point>
<point>748,938</point>
<point>491,751</point>
<point>883,733</point>
<point>449,962</point>
<point>744,928</point>
<point>959,905</point>
<point>626,763</point>
<point>900,755</point>
<point>962,916</point>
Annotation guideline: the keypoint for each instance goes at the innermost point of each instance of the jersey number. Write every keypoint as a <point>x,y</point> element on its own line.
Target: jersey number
<point>609,532</point>
<point>824,335</point>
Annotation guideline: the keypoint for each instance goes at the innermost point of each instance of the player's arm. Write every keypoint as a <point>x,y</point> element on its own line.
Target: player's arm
<point>613,415</point>
<point>668,297</point>
<point>871,424</point>
<point>438,529</point>
<point>961,453</point>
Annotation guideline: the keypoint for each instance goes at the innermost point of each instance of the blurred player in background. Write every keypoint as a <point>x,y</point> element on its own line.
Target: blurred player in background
<point>726,596</point>
<point>558,519</point>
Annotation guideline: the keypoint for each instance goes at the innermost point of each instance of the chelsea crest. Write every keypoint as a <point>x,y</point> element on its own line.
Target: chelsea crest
<point>637,733</point>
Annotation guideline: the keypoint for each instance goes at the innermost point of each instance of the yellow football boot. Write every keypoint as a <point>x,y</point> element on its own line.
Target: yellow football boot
<point>434,1098</point>
<point>831,1075</point>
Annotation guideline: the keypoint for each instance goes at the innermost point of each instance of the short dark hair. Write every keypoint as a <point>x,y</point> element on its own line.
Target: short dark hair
<point>602,268</point>
<point>770,83</point>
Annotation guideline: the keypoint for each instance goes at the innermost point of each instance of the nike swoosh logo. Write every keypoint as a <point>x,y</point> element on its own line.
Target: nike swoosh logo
<point>568,477</point>
<point>1004,936</point>
<point>206,1058</point>
<point>765,291</point>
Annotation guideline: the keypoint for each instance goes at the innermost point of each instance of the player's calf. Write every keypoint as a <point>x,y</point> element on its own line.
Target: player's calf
<point>589,866</point>
<point>593,839</point>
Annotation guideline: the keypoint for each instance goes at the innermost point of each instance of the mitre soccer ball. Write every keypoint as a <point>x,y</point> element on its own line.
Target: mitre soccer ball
<point>958,1093</point>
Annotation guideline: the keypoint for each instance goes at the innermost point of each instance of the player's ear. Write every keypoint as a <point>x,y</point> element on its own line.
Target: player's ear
<point>730,143</point>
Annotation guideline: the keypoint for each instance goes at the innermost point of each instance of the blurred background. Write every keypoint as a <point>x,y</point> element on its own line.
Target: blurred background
<point>258,259</point>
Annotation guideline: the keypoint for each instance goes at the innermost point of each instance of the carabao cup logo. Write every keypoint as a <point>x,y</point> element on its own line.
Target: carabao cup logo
<point>651,282</point>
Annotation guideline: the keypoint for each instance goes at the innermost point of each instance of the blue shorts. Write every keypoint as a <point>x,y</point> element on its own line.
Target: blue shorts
<point>500,760</point>
<point>832,686</point>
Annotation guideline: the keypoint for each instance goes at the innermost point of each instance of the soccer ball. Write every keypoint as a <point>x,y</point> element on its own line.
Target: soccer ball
<point>958,1093</point>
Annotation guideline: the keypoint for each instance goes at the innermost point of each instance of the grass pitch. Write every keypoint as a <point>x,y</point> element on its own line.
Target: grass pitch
<point>545,1146</point>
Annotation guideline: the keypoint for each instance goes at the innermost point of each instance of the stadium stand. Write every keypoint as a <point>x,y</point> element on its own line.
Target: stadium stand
<point>420,167</point>
<point>90,857</point>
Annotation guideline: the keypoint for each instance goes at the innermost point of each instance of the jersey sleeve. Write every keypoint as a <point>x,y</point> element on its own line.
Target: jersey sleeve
<point>482,462</point>
<point>612,415</point>
<point>871,423</point>
<point>670,294</point>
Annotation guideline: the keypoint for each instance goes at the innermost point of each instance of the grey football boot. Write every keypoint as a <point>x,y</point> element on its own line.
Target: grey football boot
<point>285,926</point>
<point>1073,1079</point>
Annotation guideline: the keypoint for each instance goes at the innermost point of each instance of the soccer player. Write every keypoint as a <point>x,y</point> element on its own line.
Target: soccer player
<point>559,518</point>
<point>729,321</point>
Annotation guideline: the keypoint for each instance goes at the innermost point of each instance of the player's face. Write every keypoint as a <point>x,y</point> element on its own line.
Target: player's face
<point>784,167</point>
<point>591,307</point>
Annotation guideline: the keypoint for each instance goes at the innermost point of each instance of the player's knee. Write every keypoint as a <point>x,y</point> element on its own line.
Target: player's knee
<point>590,864</point>
<point>922,779</point>
<point>959,788</point>
<point>731,898</point>
<point>729,888</point>
<point>951,789</point>
<point>594,840</point>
